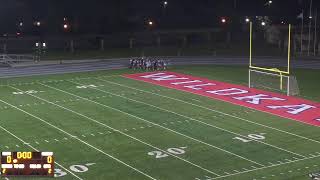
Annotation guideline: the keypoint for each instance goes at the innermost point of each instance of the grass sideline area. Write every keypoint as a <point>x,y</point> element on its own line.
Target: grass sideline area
<point>195,50</point>
<point>103,126</point>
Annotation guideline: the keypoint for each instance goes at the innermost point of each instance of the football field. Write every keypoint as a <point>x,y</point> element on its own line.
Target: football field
<point>101,125</point>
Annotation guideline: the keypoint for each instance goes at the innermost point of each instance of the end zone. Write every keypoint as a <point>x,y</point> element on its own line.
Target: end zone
<point>294,108</point>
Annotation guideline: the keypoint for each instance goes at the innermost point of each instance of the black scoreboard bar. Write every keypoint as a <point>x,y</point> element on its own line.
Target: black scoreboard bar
<point>27,164</point>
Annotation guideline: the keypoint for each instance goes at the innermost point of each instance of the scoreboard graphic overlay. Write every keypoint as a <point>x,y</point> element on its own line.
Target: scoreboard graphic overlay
<point>27,164</point>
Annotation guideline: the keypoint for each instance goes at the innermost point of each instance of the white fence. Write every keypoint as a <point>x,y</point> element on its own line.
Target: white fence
<point>11,59</point>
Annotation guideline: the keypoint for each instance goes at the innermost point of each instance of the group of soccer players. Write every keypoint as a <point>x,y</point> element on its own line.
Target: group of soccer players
<point>148,64</point>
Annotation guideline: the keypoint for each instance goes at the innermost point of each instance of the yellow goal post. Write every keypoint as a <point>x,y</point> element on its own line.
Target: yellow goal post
<point>272,78</point>
<point>274,70</point>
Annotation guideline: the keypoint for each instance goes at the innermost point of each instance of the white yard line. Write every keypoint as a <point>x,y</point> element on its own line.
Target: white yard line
<point>38,151</point>
<point>266,167</point>
<point>61,130</point>
<point>201,122</point>
<point>54,80</point>
<point>116,130</point>
<point>136,117</point>
<point>216,111</point>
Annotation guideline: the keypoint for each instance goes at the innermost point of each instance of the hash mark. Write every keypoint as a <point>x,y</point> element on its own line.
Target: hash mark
<point>90,164</point>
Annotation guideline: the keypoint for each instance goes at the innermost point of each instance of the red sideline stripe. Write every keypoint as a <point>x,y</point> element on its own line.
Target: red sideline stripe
<point>277,104</point>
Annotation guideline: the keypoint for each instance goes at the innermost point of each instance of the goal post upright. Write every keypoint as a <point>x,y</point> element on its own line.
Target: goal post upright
<point>284,78</point>
<point>289,49</point>
<point>251,66</point>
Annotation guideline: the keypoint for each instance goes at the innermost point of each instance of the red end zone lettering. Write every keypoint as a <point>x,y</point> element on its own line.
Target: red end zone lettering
<point>294,108</point>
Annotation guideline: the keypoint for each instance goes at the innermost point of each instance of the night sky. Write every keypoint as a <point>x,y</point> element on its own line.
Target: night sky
<point>109,16</point>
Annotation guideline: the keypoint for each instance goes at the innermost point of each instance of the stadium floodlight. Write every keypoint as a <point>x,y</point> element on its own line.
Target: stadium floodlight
<point>268,3</point>
<point>37,44</point>
<point>38,23</point>
<point>44,45</point>
<point>263,23</point>
<point>65,26</point>
<point>223,20</point>
<point>165,3</point>
<point>150,23</point>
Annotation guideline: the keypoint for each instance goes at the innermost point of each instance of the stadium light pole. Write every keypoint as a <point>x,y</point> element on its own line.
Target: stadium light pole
<point>268,3</point>
<point>310,19</point>
<point>164,7</point>
<point>165,4</point>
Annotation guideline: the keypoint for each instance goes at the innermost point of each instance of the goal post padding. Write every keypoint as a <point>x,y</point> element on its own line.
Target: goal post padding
<point>273,82</point>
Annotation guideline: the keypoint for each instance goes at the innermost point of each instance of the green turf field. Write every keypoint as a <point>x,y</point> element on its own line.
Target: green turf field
<point>103,126</point>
